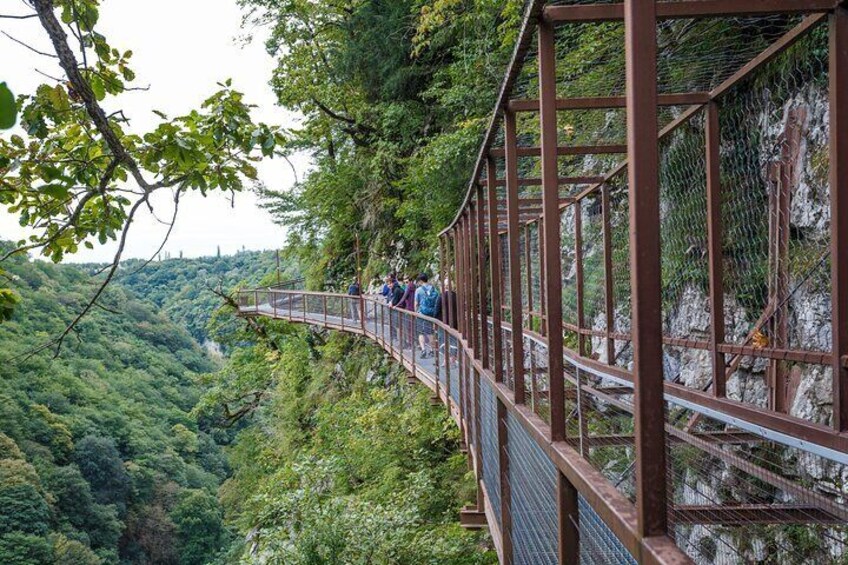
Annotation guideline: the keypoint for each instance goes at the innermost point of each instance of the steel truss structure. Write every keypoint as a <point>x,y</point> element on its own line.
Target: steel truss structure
<point>575,259</point>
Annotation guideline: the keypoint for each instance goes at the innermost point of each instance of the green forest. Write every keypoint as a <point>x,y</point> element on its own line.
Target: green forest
<point>142,421</point>
<point>136,446</point>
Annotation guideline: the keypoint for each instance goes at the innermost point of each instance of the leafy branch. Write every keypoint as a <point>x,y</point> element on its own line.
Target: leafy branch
<point>67,180</point>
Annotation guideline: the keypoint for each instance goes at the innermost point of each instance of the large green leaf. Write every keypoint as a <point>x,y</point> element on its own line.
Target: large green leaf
<point>8,108</point>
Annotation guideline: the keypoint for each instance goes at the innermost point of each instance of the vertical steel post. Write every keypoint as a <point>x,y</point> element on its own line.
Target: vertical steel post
<point>550,213</point>
<point>527,261</point>
<point>466,281</point>
<point>609,304</point>
<point>465,309</point>
<point>460,283</point>
<point>578,260</point>
<point>514,255</point>
<point>473,249</point>
<point>569,516</point>
<point>714,245</point>
<point>495,271</point>
<point>506,493</point>
<point>541,240</point>
<point>482,285</point>
<point>643,177</point>
<point>838,76</point>
<point>442,279</point>
<point>451,281</point>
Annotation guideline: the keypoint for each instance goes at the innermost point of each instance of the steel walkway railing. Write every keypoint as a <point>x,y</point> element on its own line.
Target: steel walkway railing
<point>526,479</point>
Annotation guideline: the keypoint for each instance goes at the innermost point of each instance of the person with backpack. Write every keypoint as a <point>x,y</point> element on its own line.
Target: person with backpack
<point>426,304</point>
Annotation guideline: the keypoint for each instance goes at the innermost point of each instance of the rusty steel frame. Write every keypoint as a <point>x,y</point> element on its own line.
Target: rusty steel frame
<point>642,529</point>
<point>482,309</point>
<point>560,151</point>
<point>608,102</point>
<point>714,249</point>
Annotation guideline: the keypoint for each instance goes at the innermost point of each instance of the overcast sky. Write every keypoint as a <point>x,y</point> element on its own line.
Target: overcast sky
<point>181,48</point>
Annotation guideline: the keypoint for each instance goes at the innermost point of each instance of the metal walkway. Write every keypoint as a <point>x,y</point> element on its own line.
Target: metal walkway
<point>525,479</point>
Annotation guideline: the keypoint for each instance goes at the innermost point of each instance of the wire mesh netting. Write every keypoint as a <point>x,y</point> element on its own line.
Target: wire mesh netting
<point>598,545</point>
<point>737,498</point>
<point>533,499</point>
<point>489,445</point>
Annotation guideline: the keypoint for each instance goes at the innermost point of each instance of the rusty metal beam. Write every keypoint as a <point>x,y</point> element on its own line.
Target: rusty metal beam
<point>747,514</point>
<point>726,438</point>
<point>687,9</point>
<point>608,102</point>
<point>483,291</point>
<point>565,150</point>
<point>551,234</point>
<point>495,273</point>
<point>506,491</point>
<point>568,518</point>
<point>838,91</point>
<point>473,248</point>
<point>578,260</point>
<point>517,339</point>
<point>643,177</point>
<point>714,245</point>
<point>562,180</point>
<point>609,314</point>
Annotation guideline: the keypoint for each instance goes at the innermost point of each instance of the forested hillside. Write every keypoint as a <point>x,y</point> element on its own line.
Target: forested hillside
<point>182,289</point>
<point>336,459</point>
<point>100,458</point>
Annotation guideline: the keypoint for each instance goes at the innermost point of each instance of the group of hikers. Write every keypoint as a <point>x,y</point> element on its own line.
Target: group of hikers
<point>416,295</point>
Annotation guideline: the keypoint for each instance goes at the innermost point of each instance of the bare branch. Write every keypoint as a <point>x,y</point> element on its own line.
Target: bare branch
<point>51,77</point>
<point>164,240</point>
<point>30,47</point>
<point>14,17</point>
<point>116,260</point>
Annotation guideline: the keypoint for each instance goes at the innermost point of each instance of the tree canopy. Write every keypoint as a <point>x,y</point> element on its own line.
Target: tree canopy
<point>78,175</point>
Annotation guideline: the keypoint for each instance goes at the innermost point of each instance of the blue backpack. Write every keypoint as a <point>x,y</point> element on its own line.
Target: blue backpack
<point>429,303</point>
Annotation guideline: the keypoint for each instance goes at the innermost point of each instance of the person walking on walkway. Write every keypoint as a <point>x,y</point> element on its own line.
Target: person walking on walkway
<point>353,305</point>
<point>386,291</point>
<point>408,303</point>
<point>395,298</point>
<point>426,304</point>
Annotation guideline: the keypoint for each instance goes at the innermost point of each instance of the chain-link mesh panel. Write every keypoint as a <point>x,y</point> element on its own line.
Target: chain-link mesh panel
<point>594,288</point>
<point>620,252</point>
<point>776,214</point>
<point>533,499</point>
